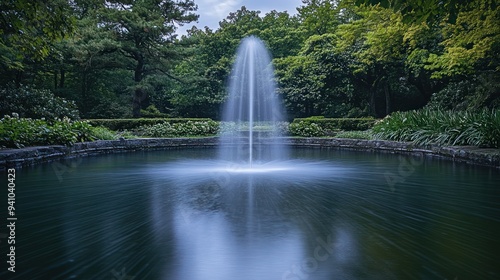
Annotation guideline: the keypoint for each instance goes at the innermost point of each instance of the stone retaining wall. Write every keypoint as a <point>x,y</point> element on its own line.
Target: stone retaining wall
<point>34,155</point>
<point>469,154</point>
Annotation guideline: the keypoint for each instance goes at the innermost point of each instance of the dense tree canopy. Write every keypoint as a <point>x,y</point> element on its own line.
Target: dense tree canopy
<point>143,32</point>
<point>350,58</point>
<point>28,28</point>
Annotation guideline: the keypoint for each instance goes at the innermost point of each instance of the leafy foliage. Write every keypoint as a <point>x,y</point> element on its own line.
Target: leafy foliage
<point>152,112</point>
<point>442,127</point>
<point>201,88</point>
<point>316,81</point>
<point>320,126</point>
<point>319,16</point>
<point>18,132</point>
<point>181,129</point>
<point>346,58</point>
<point>471,93</point>
<point>28,28</point>
<point>29,102</point>
<point>144,31</point>
<point>306,129</point>
<point>102,133</point>
<point>418,10</point>
<point>468,42</point>
<point>349,124</point>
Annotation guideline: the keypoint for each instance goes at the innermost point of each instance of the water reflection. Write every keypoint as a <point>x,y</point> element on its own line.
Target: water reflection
<point>237,227</point>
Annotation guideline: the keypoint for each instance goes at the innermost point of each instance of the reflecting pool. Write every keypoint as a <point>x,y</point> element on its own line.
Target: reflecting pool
<point>322,214</point>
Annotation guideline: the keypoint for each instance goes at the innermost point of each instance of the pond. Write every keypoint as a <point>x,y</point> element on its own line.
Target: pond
<point>338,215</point>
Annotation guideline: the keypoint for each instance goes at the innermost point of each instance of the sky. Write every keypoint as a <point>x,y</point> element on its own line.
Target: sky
<point>213,11</point>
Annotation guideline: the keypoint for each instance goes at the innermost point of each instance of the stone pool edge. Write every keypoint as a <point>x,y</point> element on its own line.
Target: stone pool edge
<point>10,158</point>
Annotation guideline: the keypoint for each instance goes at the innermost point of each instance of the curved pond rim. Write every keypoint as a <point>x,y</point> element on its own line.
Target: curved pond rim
<point>15,158</point>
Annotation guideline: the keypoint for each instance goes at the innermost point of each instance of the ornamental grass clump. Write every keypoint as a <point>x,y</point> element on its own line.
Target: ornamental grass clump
<point>446,128</point>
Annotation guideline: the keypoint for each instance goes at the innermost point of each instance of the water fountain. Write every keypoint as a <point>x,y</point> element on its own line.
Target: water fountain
<point>252,103</point>
<point>251,148</point>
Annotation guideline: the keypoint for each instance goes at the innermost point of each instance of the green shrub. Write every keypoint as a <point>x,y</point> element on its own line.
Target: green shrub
<point>306,129</point>
<point>110,109</point>
<point>453,96</point>
<point>152,112</point>
<point>315,118</point>
<point>34,103</point>
<point>84,131</point>
<point>181,129</point>
<point>103,133</point>
<point>131,124</point>
<point>428,126</point>
<point>473,93</point>
<point>335,124</point>
<point>320,126</point>
<point>22,132</point>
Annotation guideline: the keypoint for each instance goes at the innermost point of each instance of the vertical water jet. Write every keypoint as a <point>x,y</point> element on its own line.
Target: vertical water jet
<point>253,110</point>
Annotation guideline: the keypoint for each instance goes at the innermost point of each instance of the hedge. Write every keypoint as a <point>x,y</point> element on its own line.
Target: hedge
<point>130,124</point>
<point>180,129</point>
<point>335,124</point>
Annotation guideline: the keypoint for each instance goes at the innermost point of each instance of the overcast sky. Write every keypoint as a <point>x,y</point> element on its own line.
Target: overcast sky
<point>213,11</point>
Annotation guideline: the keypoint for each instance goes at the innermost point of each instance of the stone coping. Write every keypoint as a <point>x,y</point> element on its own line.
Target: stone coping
<point>33,155</point>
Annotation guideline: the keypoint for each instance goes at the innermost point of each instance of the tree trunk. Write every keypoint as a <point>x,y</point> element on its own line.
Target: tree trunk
<point>18,78</point>
<point>61,80</point>
<point>373,97</point>
<point>84,93</point>
<point>309,109</point>
<point>136,106</point>
<point>373,107</point>
<point>387,99</point>
<point>139,94</point>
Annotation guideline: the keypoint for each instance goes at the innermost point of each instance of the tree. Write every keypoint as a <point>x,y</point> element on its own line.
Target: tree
<point>376,42</point>
<point>27,31</point>
<point>319,16</point>
<point>471,43</point>
<point>316,81</point>
<point>453,48</point>
<point>88,69</point>
<point>283,33</point>
<point>389,58</point>
<point>212,52</point>
<point>420,10</point>
<point>145,30</point>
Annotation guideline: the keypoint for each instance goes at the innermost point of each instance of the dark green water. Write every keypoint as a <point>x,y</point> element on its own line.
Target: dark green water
<point>375,216</point>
